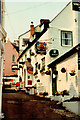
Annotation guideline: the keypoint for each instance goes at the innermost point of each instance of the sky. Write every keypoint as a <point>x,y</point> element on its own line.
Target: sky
<point>20,13</point>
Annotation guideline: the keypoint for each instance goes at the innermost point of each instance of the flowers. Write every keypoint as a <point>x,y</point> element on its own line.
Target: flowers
<point>72,73</point>
<point>64,92</point>
<point>48,72</point>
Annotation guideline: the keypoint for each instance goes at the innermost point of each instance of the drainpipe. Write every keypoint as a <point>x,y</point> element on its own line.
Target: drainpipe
<point>1,74</point>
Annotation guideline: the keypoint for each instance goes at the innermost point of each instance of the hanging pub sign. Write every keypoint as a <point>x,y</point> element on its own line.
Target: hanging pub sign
<point>76,5</point>
<point>79,59</point>
<point>30,70</point>
<point>40,48</point>
<point>29,67</point>
<point>54,53</point>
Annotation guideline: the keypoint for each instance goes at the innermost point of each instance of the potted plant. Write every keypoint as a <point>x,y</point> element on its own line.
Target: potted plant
<point>57,93</point>
<point>36,72</point>
<point>72,73</point>
<point>63,70</point>
<point>45,93</point>
<point>43,68</point>
<point>48,72</point>
<point>32,53</point>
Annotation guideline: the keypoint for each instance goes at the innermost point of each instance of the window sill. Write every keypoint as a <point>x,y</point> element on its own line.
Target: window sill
<point>66,45</point>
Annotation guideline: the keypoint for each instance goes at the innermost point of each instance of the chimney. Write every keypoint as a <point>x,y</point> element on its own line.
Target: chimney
<point>31,29</point>
<point>44,20</point>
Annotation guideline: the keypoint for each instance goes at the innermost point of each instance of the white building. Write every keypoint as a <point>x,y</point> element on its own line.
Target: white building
<point>68,67</point>
<point>61,35</point>
<point>2,40</point>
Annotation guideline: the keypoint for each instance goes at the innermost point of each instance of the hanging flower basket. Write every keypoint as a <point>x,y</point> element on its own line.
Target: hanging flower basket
<point>48,72</point>
<point>36,72</point>
<point>72,73</point>
<point>32,53</point>
<point>42,69</point>
<point>63,70</point>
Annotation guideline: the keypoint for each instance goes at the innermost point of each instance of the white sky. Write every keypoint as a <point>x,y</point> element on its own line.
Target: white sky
<point>20,13</point>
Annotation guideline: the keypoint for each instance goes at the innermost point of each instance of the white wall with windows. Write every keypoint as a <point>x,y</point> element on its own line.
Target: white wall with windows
<point>62,35</point>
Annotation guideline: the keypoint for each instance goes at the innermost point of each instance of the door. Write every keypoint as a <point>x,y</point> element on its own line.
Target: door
<point>54,85</point>
<point>24,77</point>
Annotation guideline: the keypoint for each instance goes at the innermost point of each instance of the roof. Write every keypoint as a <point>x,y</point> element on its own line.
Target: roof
<point>32,43</point>
<point>26,32</point>
<point>16,47</point>
<point>63,57</point>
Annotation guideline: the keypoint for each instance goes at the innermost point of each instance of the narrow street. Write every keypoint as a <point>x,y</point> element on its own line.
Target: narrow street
<point>20,106</point>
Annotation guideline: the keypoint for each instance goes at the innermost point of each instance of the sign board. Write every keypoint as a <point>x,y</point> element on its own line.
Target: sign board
<point>40,48</point>
<point>54,53</point>
<point>76,5</point>
<point>29,67</point>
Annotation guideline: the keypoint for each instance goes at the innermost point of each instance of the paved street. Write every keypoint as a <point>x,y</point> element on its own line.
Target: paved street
<point>20,106</point>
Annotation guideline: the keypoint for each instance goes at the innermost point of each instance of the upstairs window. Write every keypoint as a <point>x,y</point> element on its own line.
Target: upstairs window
<point>13,58</point>
<point>66,38</point>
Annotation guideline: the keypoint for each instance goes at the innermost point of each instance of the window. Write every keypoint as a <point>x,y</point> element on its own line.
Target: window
<point>13,58</point>
<point>25,57</point>
<point>43,63</point>
<point>66,38</point>
<point>36,67</point>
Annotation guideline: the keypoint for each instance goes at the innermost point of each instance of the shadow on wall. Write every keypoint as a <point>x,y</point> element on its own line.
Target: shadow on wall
<point>72,90</point>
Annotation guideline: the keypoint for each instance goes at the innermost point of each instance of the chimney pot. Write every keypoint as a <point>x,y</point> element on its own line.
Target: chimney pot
<point>32,23</point>
<point>31,29</point>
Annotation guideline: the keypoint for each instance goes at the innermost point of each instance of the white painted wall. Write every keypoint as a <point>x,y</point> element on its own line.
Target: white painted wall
<point>26,35</point>
<point>64,21</point>
<point>69,64</point>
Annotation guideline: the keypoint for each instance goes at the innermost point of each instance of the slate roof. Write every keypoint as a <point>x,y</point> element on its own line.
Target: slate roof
<point>32,43</point>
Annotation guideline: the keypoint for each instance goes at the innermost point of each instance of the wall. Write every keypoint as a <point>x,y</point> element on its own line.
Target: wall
<point>64,80</point>
<point>9,51</point>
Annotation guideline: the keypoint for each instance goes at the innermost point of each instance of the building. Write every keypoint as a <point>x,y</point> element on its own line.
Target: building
<point>11,54</point>
<point>25,38</point>
<point>2,40</point>
<point>60,36</point>
<point>68,72</point>
<point>25,58</point>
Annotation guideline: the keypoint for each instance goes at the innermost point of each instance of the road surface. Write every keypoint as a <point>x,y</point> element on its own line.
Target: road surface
<point>20,106</point>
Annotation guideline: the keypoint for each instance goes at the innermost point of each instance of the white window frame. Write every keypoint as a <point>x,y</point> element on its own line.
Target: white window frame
<point>67,39</point>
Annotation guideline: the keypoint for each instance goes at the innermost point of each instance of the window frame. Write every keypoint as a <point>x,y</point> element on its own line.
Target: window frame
<point>71,39</point>
<point>13,58</point>
<point>43,62</point>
